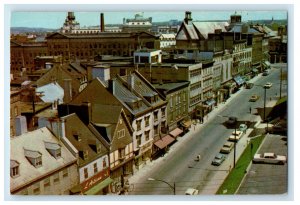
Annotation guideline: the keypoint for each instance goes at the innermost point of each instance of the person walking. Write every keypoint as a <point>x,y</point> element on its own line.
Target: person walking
<point>250,110</point>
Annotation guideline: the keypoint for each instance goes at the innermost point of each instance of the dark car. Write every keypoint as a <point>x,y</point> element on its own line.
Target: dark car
<point>219,158</point>
<point>231,120</point>
<point>249,85</point>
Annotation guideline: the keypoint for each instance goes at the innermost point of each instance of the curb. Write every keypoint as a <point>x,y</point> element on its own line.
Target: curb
<point>250,164</point>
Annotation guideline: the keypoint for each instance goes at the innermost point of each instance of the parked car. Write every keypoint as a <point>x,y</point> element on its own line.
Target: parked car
<point>280,128</point>
<point>249,85</point>
<point>254,98</point>
<point>191,191</point>
<point>269,158</point>
<point>243,128</point>
<point>266,72</point>
<point>231,120</point>
<point>268,85</point>
<point>235,136</point>
<point>219,158</point>
<point>227,147</point>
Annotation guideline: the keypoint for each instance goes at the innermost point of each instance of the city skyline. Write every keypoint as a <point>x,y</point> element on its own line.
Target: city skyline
<point>54,20</point>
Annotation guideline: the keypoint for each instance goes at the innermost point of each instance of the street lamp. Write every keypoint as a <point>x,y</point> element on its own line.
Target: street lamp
<point>172,187</point>
<point>234,149</point>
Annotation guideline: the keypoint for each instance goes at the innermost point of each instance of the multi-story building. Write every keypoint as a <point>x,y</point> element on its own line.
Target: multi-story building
<point>278,46</point>
<point>41,164</point>
<point>138,23</point>
<point>176,94</point>
<point>114,127</point>
<point>15,110</point>
<point>92,154</point>
<point>167,40</point>
<point>144,107</point>
<point>87,46</point>
<point>22,56</point>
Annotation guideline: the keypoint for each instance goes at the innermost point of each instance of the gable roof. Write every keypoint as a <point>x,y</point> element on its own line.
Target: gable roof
<point>187,32</point>
<point>95,92</point>
<point>74,126</point>
<point>34,143</point>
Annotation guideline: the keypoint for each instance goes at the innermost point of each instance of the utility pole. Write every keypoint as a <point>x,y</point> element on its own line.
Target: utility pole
<point>265,103</point>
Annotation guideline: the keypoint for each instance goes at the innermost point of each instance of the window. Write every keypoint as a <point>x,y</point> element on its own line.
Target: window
<point>95,168</point>
<point>138,140</point>
<point>56,178</point>
<point>121,133</point>
<point>86,174</point>
<point>155,116</point>
<point>36,188</point>
<point>138,125</point>
<point>65,173</point>
<point>156,130</point>
<point>147,120</point>
<point>76,136</point>
<point>54,149</point>
<point>121,153</point>
<point>14,168</point>
<point>163,112</point>
<point>104,163</point>
<point>47,182</point>
<point>147,135</point>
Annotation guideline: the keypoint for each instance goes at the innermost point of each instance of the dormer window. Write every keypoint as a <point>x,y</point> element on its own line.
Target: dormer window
<point>34,157</point>
<point>54,149</point>
<point>77,136</point>
<point>14,168</point>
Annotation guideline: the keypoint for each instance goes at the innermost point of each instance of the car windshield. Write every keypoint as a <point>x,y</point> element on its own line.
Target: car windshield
<point>219,156</point>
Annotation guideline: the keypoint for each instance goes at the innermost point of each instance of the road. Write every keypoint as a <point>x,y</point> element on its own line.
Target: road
<point>175,166</point>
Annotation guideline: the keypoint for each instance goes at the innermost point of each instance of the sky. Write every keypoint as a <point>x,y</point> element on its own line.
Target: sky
<point>56,19</point>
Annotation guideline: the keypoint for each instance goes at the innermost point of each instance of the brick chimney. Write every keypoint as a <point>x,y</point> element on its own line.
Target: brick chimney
<point>101,22</point>
<point>67,90</point>
<point>111,86</point>
<point>188,17</point>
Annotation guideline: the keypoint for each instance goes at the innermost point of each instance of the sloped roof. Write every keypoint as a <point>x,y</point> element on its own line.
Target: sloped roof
<point>205,28</point>
<point>33,143</point>
<point>106,114</point>
<point>74,125</point>
<point>186,32</point>
<point>51,92</point>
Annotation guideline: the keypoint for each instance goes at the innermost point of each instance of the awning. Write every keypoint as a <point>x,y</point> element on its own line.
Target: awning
<point>97,188</point>
<point>210,102</point>
<point>239,80</point>
<point>165,141</point>
<point>177,131</point>
<point>187,123</point>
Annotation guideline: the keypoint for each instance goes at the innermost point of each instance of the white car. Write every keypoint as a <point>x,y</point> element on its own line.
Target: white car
<point>269,158</point>
<point>227,147</point>
<point>243,127</point>
<point>268,85</point>
<point>191,191</point>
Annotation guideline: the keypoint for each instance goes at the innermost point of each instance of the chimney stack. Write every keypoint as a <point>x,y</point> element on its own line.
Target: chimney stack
<point>86,114</point>
<point>130,81</point>
<point>188,17</point>
<point>21,125</point>
<point>101,22</point>
<point>67,90</point>
<point>111,86</point>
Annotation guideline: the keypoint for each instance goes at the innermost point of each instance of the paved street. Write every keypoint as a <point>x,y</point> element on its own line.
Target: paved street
<point>179,164</point>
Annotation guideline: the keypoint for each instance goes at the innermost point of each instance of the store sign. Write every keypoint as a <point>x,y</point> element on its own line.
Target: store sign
<point>99,177</point>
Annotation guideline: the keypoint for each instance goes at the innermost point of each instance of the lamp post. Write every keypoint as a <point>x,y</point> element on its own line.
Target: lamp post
<point>265,102</point>
<point>172,187</point>
<point>234,148</point>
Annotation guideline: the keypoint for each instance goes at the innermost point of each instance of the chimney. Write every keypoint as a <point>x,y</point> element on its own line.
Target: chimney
<point>111,86</point>
<point>21,125</point>
<point>67,90</point>
<point>102,22</point>
<point>188,17</point>
<point>130,81</point>
<point>86,112</point>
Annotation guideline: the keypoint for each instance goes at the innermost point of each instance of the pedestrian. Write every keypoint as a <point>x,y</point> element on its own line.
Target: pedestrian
<point>250,110</point>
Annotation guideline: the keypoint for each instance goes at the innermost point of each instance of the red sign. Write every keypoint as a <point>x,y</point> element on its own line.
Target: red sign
<point>97,178</point>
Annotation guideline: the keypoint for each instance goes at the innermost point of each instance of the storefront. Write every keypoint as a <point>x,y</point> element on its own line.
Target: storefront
<point>161,145</point>
<point>99,184</point>
<point>186,125</point>
<point>143,154</point>
<point>239,81</point>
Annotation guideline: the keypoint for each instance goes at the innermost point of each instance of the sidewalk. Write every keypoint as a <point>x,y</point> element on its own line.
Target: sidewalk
<point>181,141</point>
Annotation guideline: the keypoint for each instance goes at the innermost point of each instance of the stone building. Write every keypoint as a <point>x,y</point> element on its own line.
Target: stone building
<point>41,164</point>
<point>138,23</point>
